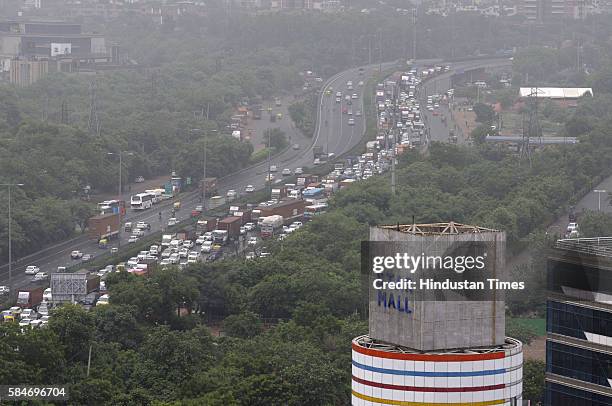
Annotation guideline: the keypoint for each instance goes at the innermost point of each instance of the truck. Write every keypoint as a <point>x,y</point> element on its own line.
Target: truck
<point>279,193</point>
<point>245,216</point>
<point>73,286</point>
<point>231,225</point>
<point>104,226</point>
<point>305,180</point>
<point>206,224</point>
<point>291,210</point>
<point>30,297</point>
<point>216,201</point>
<point>209,185</point>
<point>269,225</point>
<point>219,236</point>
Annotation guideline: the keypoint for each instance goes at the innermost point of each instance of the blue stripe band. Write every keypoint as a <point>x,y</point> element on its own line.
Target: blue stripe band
<point>422,373</point>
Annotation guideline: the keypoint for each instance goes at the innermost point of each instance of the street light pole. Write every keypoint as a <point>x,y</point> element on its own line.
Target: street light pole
<point>119,195</point>
<point>10,237</point>
<point>599,192</point>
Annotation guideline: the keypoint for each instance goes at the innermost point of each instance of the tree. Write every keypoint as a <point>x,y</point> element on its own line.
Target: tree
<point>74,327</point>
<point>595,224</point>
<point>484,113</point>
<point>275,138</point>
<point>81,212</point>
<point>533,380</point>
<point>243,325</point>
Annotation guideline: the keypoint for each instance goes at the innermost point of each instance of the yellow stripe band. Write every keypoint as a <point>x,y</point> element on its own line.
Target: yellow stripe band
<point>407,403</point>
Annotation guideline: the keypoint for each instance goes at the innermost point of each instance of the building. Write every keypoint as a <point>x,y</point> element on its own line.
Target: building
<point>31,49</point>
<point>563,96</point>
<point>445,347</point>
<point>579,323</point>
<point>555,10</point>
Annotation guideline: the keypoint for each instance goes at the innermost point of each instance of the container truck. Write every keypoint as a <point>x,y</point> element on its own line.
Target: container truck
<point>231,225</point>
<point>104,226</point>
<point>279,193</point>
<point>269,225</point>
<point>291,210</point>
<point>30,297</point>
<point>205,224</point>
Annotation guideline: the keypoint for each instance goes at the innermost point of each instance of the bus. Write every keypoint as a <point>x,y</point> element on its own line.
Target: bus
<point>310,194</point>
<point>314,210</point>
<point>141,201</point>
<point>157,194</point>
<point>111,207</point>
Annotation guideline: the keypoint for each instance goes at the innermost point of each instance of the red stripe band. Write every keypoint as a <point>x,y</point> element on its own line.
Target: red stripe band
<point>428,357</point>
<point>426,389</point>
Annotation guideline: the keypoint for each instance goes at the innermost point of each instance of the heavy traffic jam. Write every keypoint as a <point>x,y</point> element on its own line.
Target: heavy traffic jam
<point>225,226</point>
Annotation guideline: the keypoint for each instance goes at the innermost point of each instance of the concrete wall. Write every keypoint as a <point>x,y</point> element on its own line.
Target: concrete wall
<point>434,323</point>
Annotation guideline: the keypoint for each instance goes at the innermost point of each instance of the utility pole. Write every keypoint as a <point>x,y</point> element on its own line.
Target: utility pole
<point>10,237</point>
<point>119,194</point>
<point>269,158</point>
<point>380,52</point>
<point>414,33</point>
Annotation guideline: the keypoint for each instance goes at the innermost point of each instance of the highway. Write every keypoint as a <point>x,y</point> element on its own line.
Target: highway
<point>335,136</point>
<point>332,132</point>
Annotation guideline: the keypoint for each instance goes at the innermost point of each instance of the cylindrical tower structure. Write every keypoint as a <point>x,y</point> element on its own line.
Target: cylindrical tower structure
<point>385,374</point>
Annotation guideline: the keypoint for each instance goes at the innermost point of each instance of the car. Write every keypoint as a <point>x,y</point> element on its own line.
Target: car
<point>28,314</point>
<point>132,239</point>
<point>199,208</point>
<point>32,270</point>
<point>317,161</point>
<point>200,240</point>
<point>273,168</point>
<point>298,171</point>
<point>188,244</point>
<point>249,189</point>
<point>40,276</point>
<point>174,258</point>
<point>351,121</point>
<point>127,227</point>
<point>344,110</point>
<point>103,300</point>
<point>572,227</point>
<point>358,113</point>
<point>231,194</point>
<point>286,172</point>
<point>296,146</point>
<point>143,226</point>
<point>183,252</point>
<point>47,295</point>
<point>296,224</point>
<point>206,246</point>
<point>4,290</point>
<point>243,230</point>
<point>76,255</point>
<point>354,96</point>
<point>350,112</point>
<point>360,83</point>
<point>208,235</point>
<point>139,179</point>
<point>172,221</point>
<point>249,226</point>
<point>249,255</point>
<point>114,250</point>
<point>436,113</point>
<point>252,241</point>
<point>25,322</point>
<point>87,257</point>
<point>138,232</point>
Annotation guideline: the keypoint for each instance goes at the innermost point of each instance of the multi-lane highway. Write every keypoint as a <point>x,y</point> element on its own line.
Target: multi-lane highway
<point>332,132</point>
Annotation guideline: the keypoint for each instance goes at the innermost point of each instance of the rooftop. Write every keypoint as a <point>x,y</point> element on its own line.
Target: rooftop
<point>556,92</point>
<point>600,246</point>
<point>439,228</point>
<point>368,342</point>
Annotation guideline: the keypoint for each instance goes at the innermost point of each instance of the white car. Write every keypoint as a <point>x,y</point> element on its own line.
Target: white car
<point>41,276</point>
<point>249,255</point>
<point>28,314</point>
<point>317,161</point>
<point>351,121</point>
<point>138,232</point>
<point>299,171</point>
<point>32,270</point>
<point>102,300</point>
<point>249,189</point>
<point>249,226</point>
<point>572,227</point>
<point>183,253</point>
<point>172,221</point>
<point>4,290</point>
<point>296,224</point>
<point>243,230</point>
<point>76,254</point>
<point>174,258</point>
<point>188,244</point>
<point>200,240</point>
<point>273,168</point>
<point>269,178</point>
<point>47,295</point>
<point>87,257</point>
<point>206,246</point>
<point>286,172</point>
<point>132,239</point>
<point>354,96</point>
<point>231,194</point>
<point>252,241</point>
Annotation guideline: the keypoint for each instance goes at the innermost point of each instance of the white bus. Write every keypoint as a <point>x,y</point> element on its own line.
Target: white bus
<point>141,201</point>
<point>314,210</point>
<point>157,194</point>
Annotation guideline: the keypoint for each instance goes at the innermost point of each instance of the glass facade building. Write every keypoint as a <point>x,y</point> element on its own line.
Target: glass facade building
<point>579,323</point>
